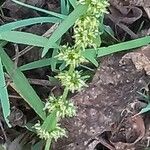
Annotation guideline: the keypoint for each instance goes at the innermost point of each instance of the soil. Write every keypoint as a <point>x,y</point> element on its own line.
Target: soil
<point>108,109</point>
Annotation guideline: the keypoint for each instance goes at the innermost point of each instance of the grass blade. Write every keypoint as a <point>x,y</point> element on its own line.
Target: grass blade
<point>91,56</point>
<point>63,7</point>
<point>27,22</point>
<point>40,10</point>
<point>22,85</point>
<point>103,51</point>
<point>25,38</point>
<point>38,64</point>
<point>144,110</point>
<point>64,26</point>
<point>73,3</point>
<point>4,95</point>
<point>123,46</point>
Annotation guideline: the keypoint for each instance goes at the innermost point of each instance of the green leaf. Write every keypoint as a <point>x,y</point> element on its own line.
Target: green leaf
<point>38,146</point>
<point>54,81</point>
<point>73,3</point>
<point>91,56</point>
<point>37,64</point>
<point>50,122</point>
<point>40,10</point>
<point>103,51</point>
<point>54,63</point>
<point>64,7</point>
<point>27,22</point>
<point>22,85</point>
<point>108,36</point>
<point>144,110</point>
<point>25,38</point>
<point>4,95</point>
<point>62,66</point>
<point>64,26</point>
<point>123,46</point>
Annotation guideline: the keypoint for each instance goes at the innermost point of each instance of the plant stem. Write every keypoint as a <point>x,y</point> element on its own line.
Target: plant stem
<point>65,93</point>
<point>48,144</point>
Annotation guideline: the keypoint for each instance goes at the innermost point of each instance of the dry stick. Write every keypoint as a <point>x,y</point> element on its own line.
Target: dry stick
<point>48,33</point>
<point>3,131</point>
<point>16,55</point>
<point>15,97</point>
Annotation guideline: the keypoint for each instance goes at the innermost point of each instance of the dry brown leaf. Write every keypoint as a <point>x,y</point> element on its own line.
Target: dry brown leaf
<point>140,58</point>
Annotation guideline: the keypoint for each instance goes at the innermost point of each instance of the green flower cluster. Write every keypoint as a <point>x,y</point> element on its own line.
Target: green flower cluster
<point>86,28</point>
<point>54,134</point>
<point>72,80</point>
<point>64,107</point>
<point>71,56</point>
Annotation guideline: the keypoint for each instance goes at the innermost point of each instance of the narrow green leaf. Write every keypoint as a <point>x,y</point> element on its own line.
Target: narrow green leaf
<point>4,100</point>
<point>25,38</point>
<point>50,122</point>
<point>54,81</point>
<point>91,56</point>
<point>37,64</point>
<point>123,46</point>
<point>38,146</point>
<point>64,26</point>
<point>54,63</point>
<point>63,7</point>
<point>40,10</point>
<point>27,22</point>
<point>144,110</point>
<point>103,51</point>
<point>62,66</point>
<point>73,3</point>
<point>22,85</point>
<point>67,7</point>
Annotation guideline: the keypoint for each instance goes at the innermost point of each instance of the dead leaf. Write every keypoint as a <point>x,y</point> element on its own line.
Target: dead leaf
<point>140,58</point>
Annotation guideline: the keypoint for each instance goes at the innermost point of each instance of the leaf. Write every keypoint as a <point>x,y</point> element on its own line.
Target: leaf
<point>64,26</point>
<point>50,122</point>
<point>38,146</point>
<point>91,56</point>
<point>22,85</point>
<point>25,38</point>
<point>64,7</point>
<point>144,110</point>
<point>54,63</point>
<point>73,3</point>
<point>108,37</point>
<point>62,66</point>
<point>40,10</point>
<point>37,64</point>
<point>103,51</point>
<point>123,46</point>
<point>27,22</point>
<point>4,99</point>
<point>54,81</point>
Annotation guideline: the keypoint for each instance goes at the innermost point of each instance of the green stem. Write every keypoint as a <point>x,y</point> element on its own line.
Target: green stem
<point>48,144</point>
<point>71,69</point>
<point>65,93</point>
